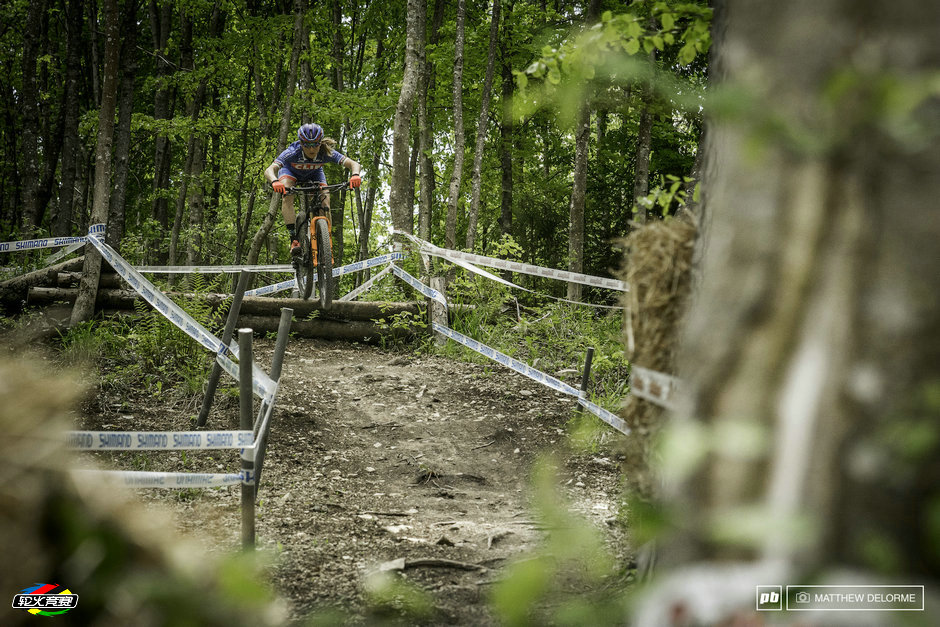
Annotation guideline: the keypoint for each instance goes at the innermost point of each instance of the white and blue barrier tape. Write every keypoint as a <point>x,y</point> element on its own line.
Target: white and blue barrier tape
<point>515,266</point>
<point>232,269</point>
<point>273,289</point>
<point>36,244</point>
<point>157,440</point>
<point>337,272</point>
<point>68,250</point>
<point>537,375</point>
<point>365,287</point>
<point>418,285</point>
<point>143,479</point>
<point>263,385</point>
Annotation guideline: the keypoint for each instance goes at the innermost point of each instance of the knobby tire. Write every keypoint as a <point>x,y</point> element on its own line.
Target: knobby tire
<point>304,270</point>
<point>324,264</point>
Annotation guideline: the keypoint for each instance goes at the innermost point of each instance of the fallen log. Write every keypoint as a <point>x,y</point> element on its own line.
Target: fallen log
<point>108,280</point>
<point>349,330</point>
<point>251,305</point>
<point>14,292</point>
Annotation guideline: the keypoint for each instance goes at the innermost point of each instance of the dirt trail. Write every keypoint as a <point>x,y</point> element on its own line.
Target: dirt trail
<point>376,456</point>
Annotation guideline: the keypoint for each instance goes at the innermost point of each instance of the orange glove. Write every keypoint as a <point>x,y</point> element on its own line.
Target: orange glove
<point>278,186</point>
<point>355,180</point>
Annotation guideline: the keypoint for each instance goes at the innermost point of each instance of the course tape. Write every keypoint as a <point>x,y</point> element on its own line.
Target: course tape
<point>418,285</point>
<point>68,250</point>
<point>489,275</point>
<point>365,287</point>
<point>537,375</point>
<point>654,387</point>
<point>141,479</point>
<point>213,269</point>
<point>157,440</point>
<point>34,244</point>
<point>337,272</point>
<point>515,266</point>
<point>263,385</point>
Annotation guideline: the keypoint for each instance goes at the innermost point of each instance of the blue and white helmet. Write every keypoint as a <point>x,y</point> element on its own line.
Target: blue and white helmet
<point>310,133</point>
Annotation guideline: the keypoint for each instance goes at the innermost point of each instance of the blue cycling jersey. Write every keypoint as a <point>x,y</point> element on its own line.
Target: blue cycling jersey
<point>295,165</point>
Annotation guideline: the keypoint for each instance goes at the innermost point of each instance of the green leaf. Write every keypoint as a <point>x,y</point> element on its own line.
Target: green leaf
<point>648,46</point>
<point>634,29</point>
<point>632,47</point>
<point>658,42</point>
<point>668,20</point>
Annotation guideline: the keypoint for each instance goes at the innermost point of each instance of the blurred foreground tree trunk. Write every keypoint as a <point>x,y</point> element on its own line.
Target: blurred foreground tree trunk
<point>812,352</point>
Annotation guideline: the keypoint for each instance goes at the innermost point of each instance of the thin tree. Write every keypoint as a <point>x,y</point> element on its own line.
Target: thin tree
<point>401,197</point>
<point>427,183</point>
<point>579,184</point>
<point>84,306</point>
<point>476,179</point>
<point>453,197</point>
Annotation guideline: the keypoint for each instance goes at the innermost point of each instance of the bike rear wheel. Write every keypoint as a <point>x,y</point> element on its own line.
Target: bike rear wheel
<point>303,267</point>
<point>324,264</point>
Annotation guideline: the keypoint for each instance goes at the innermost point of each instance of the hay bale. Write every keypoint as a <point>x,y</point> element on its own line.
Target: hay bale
<point>658,269</point>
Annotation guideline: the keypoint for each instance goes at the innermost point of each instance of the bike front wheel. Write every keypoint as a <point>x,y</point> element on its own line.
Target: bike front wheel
<point>303,267</point>
<point>324,264</point>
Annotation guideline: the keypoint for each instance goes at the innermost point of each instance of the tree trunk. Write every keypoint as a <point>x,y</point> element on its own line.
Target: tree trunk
<point>815,329</point>
<point>160,24</point>
<point>300,32</point>
<point>425,136</point>
<point>401,198</point>
<point>122,139</point>
<point>505,143</point>
<point>482,124</point>
<point>453,197</point>
<point>62,221</point>
<point>578,193</point>
<point>85,302</point>
<point>641,173</point>
<point>29,110</point>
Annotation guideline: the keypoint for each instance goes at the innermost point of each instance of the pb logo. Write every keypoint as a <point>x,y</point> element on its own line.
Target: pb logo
<point>769,598</point>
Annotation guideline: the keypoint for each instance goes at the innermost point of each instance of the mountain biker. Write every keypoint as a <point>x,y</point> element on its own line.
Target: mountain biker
<point>302,162</point>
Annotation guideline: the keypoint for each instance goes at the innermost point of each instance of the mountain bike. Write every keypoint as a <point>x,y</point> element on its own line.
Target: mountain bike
<point>314,236</point>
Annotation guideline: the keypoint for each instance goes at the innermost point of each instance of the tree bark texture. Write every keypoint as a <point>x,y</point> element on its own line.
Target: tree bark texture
<point>401,198</point>
<point>29,110</point>
<point>816,328</point>
<point>641,171</point>
<point>62,220</point>
<point>453,197</point>
<point>427,182</point>
<point>122,140</point>
<point>578,194</point>
<point>85,302</point>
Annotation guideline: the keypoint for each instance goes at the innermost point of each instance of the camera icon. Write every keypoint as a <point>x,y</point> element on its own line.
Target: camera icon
<point>802,596</point>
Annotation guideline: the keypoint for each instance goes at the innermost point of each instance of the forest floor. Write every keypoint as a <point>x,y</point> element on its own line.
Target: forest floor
<point>377,456</point>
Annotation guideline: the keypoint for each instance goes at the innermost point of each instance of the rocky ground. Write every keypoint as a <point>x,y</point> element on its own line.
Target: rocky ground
<point>382,462</point>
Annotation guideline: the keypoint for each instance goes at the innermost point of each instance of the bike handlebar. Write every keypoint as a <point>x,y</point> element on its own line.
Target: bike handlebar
<point>297,189</point>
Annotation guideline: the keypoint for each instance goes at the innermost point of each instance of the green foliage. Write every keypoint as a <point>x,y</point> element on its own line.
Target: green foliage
<point>148,353</point>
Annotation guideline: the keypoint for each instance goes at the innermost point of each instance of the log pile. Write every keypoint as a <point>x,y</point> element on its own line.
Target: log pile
<point>352,321</point>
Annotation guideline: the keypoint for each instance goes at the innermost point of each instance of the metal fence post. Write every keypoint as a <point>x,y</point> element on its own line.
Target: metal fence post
<point>586,375</point>
<point>246,398</point>
<point>227,333</point>
<point>283,334</point>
